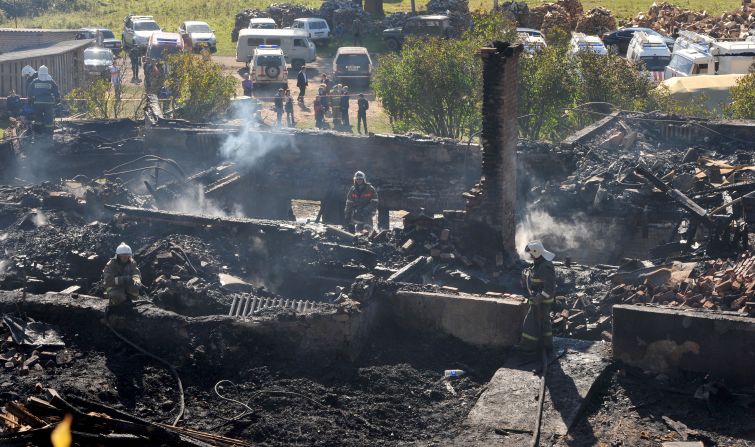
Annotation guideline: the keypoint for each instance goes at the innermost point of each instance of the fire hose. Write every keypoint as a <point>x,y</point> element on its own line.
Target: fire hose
<point>170,367</point>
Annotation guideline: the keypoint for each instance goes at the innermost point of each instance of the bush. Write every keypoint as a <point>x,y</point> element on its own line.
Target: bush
<point>97,100</point>
<point>743,98</point>
<point>198,86</point>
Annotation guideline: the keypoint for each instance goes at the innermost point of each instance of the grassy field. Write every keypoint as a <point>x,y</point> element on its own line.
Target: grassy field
<point>220,13</point>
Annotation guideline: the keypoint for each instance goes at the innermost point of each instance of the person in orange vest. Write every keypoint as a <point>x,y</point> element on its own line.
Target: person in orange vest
<point>361,204</point>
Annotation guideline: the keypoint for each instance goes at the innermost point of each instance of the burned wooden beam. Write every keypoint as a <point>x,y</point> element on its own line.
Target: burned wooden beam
<point>410,269</point>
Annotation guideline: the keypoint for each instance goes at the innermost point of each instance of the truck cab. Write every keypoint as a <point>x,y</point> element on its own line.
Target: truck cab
<point>262,23</point>
<point>723,58</point>
<point>431,25</point>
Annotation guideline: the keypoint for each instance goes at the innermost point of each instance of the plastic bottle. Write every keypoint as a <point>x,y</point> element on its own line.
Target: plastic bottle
<point>453,373</point>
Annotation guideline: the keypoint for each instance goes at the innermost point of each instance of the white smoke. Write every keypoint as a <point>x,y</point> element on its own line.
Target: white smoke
<point>38,218</point>
<point>250,144</point>
<point>578,236</point>
<point>195,202</point>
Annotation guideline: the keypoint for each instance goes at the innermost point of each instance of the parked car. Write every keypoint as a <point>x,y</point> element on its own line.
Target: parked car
<point>432,25</point>
<point>317,30</point>
<point>652,51</point>
<point>580,42</point>
<point>352,64</point>
<point>137,30</point>
<point>262,23</point>
<point>161,45</point>
<point>268,67</point>
<point>104,37</point>
<point>198,35</point>
<point>618,41</point>
<point>296,46</point>
<point>97,62</point>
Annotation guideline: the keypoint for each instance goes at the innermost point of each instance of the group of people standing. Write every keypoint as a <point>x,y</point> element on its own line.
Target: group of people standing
<point>43,95</point>
<point>336,99</point>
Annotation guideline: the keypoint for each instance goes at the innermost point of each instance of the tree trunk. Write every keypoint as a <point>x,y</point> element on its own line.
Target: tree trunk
<point>414,7</point>
<point>374,7</point>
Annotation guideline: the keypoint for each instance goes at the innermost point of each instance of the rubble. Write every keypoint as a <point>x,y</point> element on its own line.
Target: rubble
<point>596,22</point>
<point>669,18</point>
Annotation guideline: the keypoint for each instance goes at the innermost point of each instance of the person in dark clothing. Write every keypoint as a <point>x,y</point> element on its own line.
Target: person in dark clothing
<point>362,106</point>
<point>279,107</point>
<point>345,108</point>
<point>246,84</point>
<point>302,82</point>
<point>44,95</point>
<point>356,29</point>
<point>319,114</point>
<point>122,279</point>
<point>361,204</point>
<point>540,281</point>
<point>135,57</point>
<point>28,74</point>
<point>14,104</point>
<point>289,110</point>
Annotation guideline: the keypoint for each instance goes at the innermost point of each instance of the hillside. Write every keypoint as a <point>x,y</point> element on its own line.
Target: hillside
<point>220,13</point>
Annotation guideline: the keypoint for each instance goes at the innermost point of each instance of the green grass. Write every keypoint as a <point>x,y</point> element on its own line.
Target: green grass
<point>220,13</point>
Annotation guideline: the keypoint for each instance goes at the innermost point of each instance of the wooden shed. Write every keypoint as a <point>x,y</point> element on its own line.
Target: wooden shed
<point>65,60</point>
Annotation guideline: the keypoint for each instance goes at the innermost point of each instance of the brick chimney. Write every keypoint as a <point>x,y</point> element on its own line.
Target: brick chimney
<point>493,201</point>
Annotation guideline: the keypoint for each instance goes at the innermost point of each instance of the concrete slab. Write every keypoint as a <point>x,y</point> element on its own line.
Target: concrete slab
<point>506,411</point>
<point>480,321</point>
<point>666,340</point>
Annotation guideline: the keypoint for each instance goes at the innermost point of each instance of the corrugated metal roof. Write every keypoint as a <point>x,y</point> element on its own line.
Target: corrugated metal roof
<point>47,50</point>
<point>36,30</point>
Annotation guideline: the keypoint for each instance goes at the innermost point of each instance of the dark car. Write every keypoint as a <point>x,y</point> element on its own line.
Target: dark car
<point>618,41</point>
<point>433,25</point>
<point>108,38</point>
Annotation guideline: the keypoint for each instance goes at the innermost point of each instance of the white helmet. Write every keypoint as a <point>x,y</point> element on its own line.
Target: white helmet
<point>123,249</point>
<point>43,73</point>
<point>536,249</point>
<point>27,71</point>
<point>360,175</point>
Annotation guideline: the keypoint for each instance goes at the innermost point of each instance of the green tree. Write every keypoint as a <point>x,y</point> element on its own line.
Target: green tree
<point>743,98</point>
<point>199,86</point>
<point>97,100</point>
<point>434,85</point>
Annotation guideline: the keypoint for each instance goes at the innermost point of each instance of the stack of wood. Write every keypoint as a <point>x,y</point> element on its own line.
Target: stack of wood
<point>596,22</point>
<point>668,18</point>
<point>722,284</point>
<point>283,14</point>
<point>93,424</point>
<point>548,16</point>
<point>517,11</point>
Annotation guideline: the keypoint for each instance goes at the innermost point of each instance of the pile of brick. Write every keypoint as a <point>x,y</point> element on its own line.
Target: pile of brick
<point>596,22</point>
<point>517,11</point>
<point>668,18</point>
<point>721,284</point>
<point>549,16</point>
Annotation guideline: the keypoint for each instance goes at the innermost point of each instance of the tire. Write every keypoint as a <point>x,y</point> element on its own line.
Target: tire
<point>392,45</point>
<point>272,72</point>
<point>614,48</point>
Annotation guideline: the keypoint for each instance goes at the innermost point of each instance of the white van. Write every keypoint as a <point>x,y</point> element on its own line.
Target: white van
<point>317,29</point>
<point>652,51</point>
<point>723,58</point>
<point>295,45</point>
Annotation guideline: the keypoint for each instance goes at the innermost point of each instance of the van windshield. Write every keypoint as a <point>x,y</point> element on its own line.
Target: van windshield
<point>655,63</point>
<point>360,60</point>
<point>682,65</point>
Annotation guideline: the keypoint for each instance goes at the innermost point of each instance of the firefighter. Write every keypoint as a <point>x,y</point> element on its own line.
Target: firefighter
<point>361,204</point>
<point>28,74</point>
<point>122,278</point>
<point>540,281</point>
<point>44,95</point>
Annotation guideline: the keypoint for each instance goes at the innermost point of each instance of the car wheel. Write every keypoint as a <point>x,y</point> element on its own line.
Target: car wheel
<point>614,48</point>
<point>272,72</point>
<point>392,44</point>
